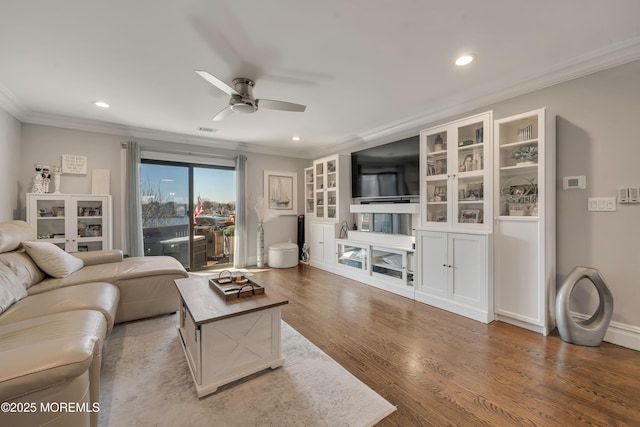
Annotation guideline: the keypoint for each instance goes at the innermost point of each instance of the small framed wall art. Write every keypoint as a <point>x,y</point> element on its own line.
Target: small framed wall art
<point>280,189</point>
<point>74,164</point>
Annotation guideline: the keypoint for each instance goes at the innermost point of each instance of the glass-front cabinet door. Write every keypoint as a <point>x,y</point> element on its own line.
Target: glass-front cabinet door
<point>309,198</point>
<point>437,176</point>
<point>455,173</point>
<point>353,256</point>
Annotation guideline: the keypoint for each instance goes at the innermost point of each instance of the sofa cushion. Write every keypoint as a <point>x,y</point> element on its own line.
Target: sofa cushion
<point>23,267</point>
<point>132,268</point>
<point>100,257</point>
<point>49,350</point>
<point>11,290</point>
<point>12,233</point>
<point>52,260</point>
<point>101,297</point>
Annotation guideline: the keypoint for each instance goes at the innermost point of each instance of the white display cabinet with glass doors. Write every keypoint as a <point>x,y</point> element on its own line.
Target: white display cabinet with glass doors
<point>309,191</point>
<point>332,188</point>
<point>75,223</point>
<point>524,226</point>
<point>455,168</point>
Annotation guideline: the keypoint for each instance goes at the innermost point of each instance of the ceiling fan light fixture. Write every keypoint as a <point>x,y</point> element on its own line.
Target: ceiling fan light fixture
<point>465,59</point>
<point>101,104</point>
<point>243,108</point>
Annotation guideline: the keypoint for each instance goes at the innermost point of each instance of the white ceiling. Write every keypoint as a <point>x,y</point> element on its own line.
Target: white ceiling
<point>366,69</point>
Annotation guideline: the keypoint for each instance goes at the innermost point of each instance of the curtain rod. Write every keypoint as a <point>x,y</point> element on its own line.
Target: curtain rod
<point>188,153</point>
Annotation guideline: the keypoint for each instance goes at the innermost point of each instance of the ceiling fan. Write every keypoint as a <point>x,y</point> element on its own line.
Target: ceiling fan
<point>242,100</point>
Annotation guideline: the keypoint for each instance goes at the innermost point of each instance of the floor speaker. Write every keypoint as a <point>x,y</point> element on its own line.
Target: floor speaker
<point>300,235</point>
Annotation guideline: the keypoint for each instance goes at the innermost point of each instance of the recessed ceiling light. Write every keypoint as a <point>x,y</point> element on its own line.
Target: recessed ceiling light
<point>101,104</point>
<point>465,59</point>
<point>296,138</point>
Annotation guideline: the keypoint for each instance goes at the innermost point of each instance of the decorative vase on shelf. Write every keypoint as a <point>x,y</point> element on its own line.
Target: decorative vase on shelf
<point>56,182</point>
<point>439,143</point>
<point>260,246</point>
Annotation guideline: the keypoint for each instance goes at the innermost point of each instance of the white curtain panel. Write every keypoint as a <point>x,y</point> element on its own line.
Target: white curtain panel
<point>240,246</point>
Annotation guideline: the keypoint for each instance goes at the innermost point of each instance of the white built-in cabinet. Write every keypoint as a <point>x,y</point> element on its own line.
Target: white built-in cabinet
<point>455,273</point>
<point>322,247</point>
<point>74,222</point>
<point>331,181</point>
<point>455,171</point>
<point>454,242</point>
<point>377,264</point>
<point>485,239</point>
<point>524,229</point>
<point>332,189</point>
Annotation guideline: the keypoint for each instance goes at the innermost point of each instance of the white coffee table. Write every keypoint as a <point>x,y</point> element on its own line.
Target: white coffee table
<point>224,341</point>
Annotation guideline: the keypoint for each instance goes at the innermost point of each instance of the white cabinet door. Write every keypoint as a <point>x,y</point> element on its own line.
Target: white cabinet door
<point>518,294</point>
<point>468,269</point>
<point>454,273</point>
<point>432,247</point>
<point>323,245</point>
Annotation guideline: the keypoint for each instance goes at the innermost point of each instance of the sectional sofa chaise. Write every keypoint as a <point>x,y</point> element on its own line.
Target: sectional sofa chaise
<point>56,313</point>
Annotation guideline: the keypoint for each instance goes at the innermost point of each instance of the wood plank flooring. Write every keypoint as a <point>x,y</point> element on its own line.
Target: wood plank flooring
<point>442,369</point>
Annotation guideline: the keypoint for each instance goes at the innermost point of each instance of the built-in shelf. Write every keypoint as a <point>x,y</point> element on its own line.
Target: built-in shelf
<point>408,208</point>
<point>398,241</point>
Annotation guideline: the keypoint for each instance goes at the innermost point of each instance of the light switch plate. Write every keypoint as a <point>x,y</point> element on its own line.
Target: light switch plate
<point>601,204</point>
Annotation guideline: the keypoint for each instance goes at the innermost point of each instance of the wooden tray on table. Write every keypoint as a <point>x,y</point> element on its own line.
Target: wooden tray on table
<point>234,287</point>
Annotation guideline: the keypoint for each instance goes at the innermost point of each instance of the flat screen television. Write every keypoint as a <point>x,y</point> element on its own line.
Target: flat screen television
<point>390,170</point>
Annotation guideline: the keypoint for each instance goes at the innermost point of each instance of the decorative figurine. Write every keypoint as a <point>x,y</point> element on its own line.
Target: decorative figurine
<point>37,180</point>
<point>46,178</point>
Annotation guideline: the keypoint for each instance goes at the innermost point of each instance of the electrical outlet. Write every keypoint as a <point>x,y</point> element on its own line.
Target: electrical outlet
<point>601,204</point>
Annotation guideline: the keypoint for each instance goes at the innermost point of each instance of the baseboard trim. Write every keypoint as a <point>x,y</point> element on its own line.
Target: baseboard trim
<point>618,333</point>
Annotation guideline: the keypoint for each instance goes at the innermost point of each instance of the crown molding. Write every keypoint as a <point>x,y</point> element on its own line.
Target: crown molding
<point>593,62</point>
<point>10,104</point>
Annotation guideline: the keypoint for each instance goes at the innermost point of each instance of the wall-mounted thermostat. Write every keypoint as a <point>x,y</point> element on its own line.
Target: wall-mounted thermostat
<point>574,182</point>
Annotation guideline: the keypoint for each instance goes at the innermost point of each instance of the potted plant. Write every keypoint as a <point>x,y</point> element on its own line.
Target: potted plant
<point>526,154</point>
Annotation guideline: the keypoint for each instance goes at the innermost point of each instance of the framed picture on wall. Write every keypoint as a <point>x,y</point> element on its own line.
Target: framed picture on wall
<point>280,192</point>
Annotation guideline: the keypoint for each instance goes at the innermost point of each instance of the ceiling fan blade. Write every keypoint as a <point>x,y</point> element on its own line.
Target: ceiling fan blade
<point>222,114</point>
<point>280,105</point>
<point>217,82</point>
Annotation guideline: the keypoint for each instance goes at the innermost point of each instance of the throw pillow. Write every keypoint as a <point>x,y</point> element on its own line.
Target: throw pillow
<point>11,290</point>
<point>52,260</point>
<point>14,232</point>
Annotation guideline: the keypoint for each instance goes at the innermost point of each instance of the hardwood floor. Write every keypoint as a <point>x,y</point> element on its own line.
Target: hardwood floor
<point>442,369</point>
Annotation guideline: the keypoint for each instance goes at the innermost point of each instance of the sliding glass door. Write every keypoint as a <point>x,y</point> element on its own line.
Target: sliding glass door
<point>188,212</point>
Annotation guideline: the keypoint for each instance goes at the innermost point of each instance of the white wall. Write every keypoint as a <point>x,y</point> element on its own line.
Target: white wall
<point>46,145</point>
<point>10,162</point>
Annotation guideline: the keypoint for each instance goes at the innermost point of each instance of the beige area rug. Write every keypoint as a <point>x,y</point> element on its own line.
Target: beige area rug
<point>146,382</point>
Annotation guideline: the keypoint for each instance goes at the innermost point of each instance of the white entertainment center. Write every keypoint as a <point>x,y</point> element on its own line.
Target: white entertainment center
<point>478,239</point>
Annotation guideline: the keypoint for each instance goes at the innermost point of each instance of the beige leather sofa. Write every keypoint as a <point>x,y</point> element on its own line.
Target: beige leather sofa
<point>53,329</point>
